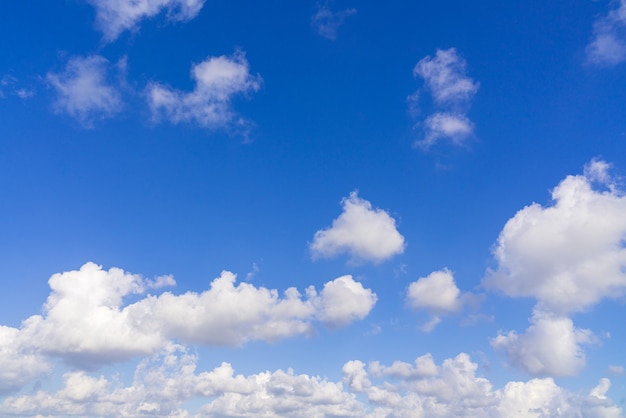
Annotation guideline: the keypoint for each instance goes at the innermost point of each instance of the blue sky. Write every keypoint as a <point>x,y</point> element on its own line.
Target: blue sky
<point>312,209</point>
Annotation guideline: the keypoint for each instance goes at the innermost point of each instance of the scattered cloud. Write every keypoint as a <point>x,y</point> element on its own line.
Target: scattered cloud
<point>84,90</point>
<point>568,255</point>
<point>326,22</point>
<point>117,16</point>
<point>217,81</point>
<point>10,85</point>
<point>455,127</point>
<point>86,323</point>
<point>437,294</point>
<point>551,346</point>
<point>366,234</point>
<point>343,301</point>
<point>164,382</point>
<point>452,91</point>
<point>608,45</point>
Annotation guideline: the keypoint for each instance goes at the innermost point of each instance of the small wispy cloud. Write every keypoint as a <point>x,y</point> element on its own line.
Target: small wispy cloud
<point>326,21</point>
<point>608,45</point>
<point>10,86</point>
<point>85,91</point>
<point>115,17</point>
<point>217,81</point>
<point>452,91</point>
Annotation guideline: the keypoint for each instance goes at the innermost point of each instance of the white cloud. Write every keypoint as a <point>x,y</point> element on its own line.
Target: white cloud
<point>569,255</point>
<point>116,16</point>
<point>326,21</point>
<point>455,127</point>
<point>438,294</point>
<point>445,78</point>
<point>452,92</point>
<point>364,233</point>
<point>217,81</point>
<point>19,364</point>
<point>86,323</point>
<point>163,383</point>
<point>551,346</point>
<point>84,91</point>
<point>343,301</point>
<point>608,46</point>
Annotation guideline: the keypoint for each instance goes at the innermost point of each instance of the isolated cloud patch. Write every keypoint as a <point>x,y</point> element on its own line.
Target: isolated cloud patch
<point>116,16</point>
<point>86,322</point>
<point>217,81</point>
<point>452,91</point>
<point>343,301</point>
<point>164,382</point>
<point>365,233</point>
<point>326,22</point>
<point>551,346</point>
<point>608,45</point>
<point>437,294</point>
<point>84,90</point>
<point>568,255</point>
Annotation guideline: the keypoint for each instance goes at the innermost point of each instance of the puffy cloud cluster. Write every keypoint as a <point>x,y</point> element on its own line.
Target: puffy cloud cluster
<point>568,257</point>
<point>19,363</point>
<point>438,294</point>
<point>452,91</point>
<point>608,45</point>
<point>366,234</point>
<point>326,22</point>
<point>86,323</point>
<point>551,346</point>
<point>217,81</point>
<point>116,16</point>
<point>163,383</point>
<point>85,90</point>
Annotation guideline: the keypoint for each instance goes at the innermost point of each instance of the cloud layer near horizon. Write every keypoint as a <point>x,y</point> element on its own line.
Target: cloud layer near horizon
<point>164,382</point>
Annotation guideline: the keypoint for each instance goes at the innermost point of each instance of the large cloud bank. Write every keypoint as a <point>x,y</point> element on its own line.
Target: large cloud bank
<point>165,381</point>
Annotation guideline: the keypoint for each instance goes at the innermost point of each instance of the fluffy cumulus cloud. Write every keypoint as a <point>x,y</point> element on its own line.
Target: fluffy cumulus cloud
<point>217,81</point>
<point>365,233</point>
<point>19,363</point>
<point>116,16</point>
<point>84,90</point>
<point>551,346</point>
<point>568,255</point>
<point>452,91</point>
<point>608,45</point>
<point>86,322</point>
<point>163,383</point>
<point>437,294</point>
<point>326,21</point>
<point>343,301</point>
